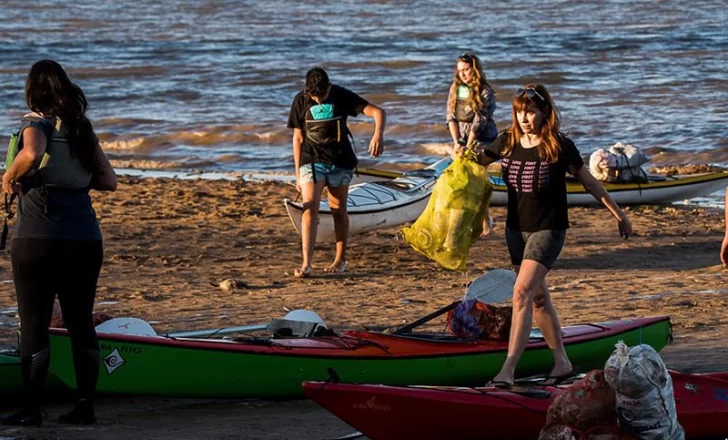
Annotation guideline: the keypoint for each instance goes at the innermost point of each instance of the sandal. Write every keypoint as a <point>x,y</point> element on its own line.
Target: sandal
<point>499,384</point>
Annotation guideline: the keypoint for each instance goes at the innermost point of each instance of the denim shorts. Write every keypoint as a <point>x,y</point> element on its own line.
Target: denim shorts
<point>540,246</point>
<point>331,174</point>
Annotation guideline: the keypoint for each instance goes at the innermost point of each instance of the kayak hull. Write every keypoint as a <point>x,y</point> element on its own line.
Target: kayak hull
<point>658,190</point>
<point>275,368</point>
<point>375,205</point>
<point>672,189</point>
<point>386,412</point>
<point>11,382</point>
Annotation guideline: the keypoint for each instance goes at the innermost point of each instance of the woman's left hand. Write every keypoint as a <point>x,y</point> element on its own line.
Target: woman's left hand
<point>376,145</point>
<point>625,227</point>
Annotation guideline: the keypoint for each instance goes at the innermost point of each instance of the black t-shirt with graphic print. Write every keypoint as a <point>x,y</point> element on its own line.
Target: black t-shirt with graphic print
<point>536,189</point>
<point>325,134</point>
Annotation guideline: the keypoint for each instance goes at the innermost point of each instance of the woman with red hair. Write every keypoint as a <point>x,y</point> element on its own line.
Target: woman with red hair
<point>535,158</point>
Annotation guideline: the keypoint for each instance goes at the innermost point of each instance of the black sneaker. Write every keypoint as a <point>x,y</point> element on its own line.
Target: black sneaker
<point>81,414</point>
<point>24,417</point>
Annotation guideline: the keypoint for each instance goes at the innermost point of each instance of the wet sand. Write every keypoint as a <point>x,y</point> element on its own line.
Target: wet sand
<point>169,244</point>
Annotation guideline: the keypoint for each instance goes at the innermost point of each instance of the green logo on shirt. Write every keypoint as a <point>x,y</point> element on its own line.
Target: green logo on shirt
<point>463,92</point>
<point>322,111</point>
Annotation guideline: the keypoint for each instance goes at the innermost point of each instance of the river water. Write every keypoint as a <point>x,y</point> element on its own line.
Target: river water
<point>206,86</point>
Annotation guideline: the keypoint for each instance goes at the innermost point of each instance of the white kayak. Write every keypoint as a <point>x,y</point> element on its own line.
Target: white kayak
<point>376,205</point>
<point>659,189</point>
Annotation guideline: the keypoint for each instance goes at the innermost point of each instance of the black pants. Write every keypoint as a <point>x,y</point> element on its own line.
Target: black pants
<point>43,269</point>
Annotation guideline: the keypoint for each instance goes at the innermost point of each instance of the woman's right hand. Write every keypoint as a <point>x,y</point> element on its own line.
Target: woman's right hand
<point>457,150</point>
<point>298,184</point>
<point>9,186</point>
<point>625,226</point>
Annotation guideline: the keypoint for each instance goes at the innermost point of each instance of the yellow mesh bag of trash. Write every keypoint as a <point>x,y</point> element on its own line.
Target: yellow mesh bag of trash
<point>453,218</point>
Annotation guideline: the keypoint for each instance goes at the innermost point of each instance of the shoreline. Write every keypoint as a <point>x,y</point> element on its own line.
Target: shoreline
<point>713,200</point>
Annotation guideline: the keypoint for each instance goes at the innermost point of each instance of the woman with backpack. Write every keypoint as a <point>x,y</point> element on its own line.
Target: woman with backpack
<point>56,247</point>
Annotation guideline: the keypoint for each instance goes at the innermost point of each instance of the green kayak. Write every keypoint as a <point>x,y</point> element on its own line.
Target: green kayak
<point>11,382</point>
<point>275,367</point>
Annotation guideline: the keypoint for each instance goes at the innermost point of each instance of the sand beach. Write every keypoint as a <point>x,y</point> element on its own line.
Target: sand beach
<point>169,244</point>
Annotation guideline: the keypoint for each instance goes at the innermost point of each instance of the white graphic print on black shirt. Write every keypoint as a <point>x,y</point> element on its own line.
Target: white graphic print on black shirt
<point>524,176</point>
<point>536,188</point>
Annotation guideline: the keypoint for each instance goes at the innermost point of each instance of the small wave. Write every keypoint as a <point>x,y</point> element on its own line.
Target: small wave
<point>145,164</point>
<point>661,155</point>
<point>122,122</point>
<point>428,130</point>
<point>134,72</point>
<point>438,149</point>
<point>82,23</point>
<point>195,138</point>
<point>401,64</point>
<point>124,145</point>
<point>217,138</point>
<point>230,158</point>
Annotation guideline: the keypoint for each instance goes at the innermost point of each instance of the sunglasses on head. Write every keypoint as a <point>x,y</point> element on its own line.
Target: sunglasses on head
<point>466,57</point>
<point>530,93</point>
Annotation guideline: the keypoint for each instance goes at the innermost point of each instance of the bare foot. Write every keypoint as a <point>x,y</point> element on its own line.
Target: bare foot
<point>562,370</point>
<point>336,267</point>
<point>487,226</point>
<point>303,272</point>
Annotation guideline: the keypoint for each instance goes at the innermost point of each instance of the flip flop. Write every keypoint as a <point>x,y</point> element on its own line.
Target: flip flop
<point>519,389</point>
<point>499,384</point>
<point>298,273</point>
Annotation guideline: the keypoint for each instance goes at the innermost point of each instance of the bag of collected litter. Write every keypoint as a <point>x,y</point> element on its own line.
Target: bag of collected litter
<point>588,402</point>
<point>619,163</point>
<point>584,411</point>
<point>474,319</point>
<point>644,393</point>
<point>453,218</point>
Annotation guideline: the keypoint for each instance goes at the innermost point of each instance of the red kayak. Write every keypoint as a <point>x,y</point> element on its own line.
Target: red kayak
<point>388,412</point>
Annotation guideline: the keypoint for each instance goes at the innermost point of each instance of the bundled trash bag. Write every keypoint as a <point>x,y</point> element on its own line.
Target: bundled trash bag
<point>620,163</point>
<point>474,319</point>
<point>587,403</point>
<point>645,401</point>
<point>453,218</point>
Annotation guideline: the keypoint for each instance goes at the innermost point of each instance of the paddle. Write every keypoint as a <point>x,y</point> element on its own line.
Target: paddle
<point>491,287</point>
<point>299,315</point>
<point>126,326</point>
<point>136,326</point>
